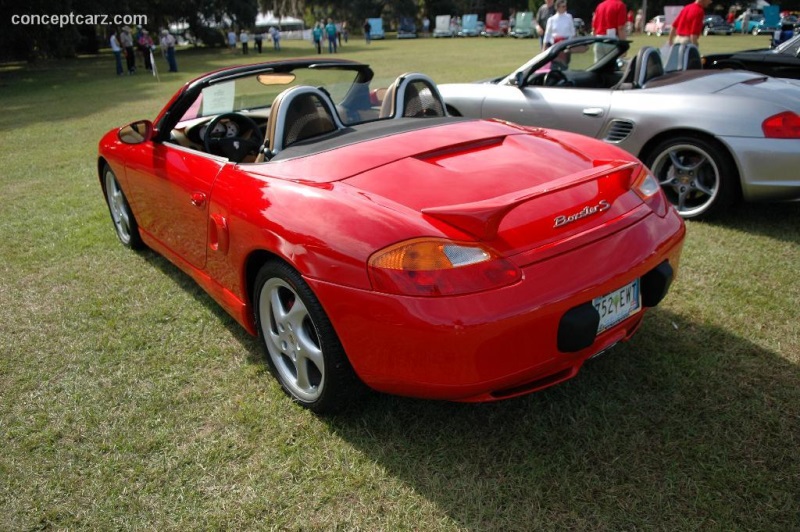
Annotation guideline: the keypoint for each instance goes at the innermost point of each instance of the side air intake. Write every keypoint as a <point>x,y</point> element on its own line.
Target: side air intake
<point>618,130</point>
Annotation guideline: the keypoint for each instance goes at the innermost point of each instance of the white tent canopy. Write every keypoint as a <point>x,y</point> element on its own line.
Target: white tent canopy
<point>265,20</point>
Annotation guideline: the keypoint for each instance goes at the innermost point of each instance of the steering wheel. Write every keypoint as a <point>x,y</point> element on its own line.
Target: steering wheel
<point>238,147</point>
<point>554,78</point>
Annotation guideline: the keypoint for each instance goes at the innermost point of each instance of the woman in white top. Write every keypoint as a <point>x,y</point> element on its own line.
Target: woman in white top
<point>560,26</point>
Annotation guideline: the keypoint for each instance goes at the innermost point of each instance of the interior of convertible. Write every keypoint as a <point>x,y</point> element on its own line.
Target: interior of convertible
<point>257,117</point>
<point>605,65</point>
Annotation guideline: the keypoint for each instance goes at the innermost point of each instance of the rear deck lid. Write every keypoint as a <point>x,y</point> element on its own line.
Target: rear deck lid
<point>514,191</point>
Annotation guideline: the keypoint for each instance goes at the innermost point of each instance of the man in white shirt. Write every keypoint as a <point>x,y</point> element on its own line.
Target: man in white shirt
<point>117,49</point>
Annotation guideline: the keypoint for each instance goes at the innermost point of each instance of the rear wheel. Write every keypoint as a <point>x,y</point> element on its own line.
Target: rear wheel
<point>304,353</point>
<point>697,176</point>
<point>124,222</point>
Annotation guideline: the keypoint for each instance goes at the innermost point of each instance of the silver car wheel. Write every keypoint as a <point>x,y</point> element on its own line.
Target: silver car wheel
<point>292,340</point>
<point>124,222</point>
<point>689,177</point>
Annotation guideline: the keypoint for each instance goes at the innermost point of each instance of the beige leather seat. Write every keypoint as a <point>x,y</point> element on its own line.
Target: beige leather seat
<point>300,113</point>
<point>412,95</point>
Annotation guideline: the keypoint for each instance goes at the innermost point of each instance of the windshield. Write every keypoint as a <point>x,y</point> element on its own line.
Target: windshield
<point>790,47</point>
<point>255,92</point>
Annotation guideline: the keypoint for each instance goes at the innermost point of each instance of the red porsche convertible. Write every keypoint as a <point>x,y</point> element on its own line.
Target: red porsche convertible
<point>373,242</point>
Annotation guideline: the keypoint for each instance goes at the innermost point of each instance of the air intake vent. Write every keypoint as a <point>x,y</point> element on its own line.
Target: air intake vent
<point>618,131</point>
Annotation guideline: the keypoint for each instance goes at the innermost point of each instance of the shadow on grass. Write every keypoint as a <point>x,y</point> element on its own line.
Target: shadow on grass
<point>780,221</point>
<point>684,427</point>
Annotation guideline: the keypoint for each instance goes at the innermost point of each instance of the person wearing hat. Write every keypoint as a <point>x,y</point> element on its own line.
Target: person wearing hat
<point>126,41</point>
<point>168,47</point>
<point>145,45</point>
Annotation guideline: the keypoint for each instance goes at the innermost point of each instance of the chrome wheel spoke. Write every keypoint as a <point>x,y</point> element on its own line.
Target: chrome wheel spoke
<point>698,185</point>
<point>291,340</point>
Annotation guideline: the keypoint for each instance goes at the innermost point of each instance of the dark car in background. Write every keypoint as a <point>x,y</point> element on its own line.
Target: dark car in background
<point>716,25</point>
<point>780,62</point>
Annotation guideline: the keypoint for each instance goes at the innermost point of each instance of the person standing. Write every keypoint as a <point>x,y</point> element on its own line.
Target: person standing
<point>244,39</point>
<point>276,38</point>
<point>746,22</point>
<point>560,26</point>
<point>259,39</point>
<point>317,34</point>
<point>688,25</point>
<point>117,49</point>
<point>168,47</point>
<point>126,41</point>
<point>609,20</point>
<point>547,10</point>
<point>330,30</point>
<point>146,45</point>
<point>367,31</point>
<point>232,40</point>
<point>638,22</point>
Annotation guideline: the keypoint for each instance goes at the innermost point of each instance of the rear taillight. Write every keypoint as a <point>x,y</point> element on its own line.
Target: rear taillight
<point>784,125</point>
<point>646,186</point>
<point>439,267</point>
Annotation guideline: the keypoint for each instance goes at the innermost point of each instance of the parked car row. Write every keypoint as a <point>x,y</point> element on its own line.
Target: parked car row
<point>716,25</point>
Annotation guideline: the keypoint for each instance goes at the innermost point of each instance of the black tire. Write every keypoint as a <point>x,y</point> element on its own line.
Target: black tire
<point>698,176</point>
<point>121,215</point>
<point>303,350</point>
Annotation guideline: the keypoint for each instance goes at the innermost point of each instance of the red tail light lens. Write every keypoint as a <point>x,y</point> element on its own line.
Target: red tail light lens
<point>439,267</point>
<point>646,186</point>
<point>782,126</point>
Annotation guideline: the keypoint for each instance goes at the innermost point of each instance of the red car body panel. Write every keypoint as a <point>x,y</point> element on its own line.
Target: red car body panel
<point>327,213</point>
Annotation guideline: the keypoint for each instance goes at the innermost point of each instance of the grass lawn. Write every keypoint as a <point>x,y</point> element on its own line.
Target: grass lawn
<point>130,400</point>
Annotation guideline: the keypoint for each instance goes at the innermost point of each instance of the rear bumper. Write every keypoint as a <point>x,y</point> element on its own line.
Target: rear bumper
<point>501,343</point>
<point>767,166</point>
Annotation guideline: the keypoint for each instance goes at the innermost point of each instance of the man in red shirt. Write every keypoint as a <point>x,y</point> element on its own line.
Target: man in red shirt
<point>688,25</point>
<point>609,20</point>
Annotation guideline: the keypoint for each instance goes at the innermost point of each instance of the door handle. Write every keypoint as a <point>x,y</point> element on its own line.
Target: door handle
<point>198,199</point>
<point>593,111</point>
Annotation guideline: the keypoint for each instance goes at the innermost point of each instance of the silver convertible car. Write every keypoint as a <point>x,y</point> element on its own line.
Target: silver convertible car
<point>710,137</point>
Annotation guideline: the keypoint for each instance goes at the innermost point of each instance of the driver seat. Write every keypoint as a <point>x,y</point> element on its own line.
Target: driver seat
<point>641,69</point>
<point>683,57</point>
<point>300,113</point>
<point>412,95</point>
<point>648,65</point>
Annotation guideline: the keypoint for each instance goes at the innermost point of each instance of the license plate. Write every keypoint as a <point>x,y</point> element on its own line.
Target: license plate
<point>618,305</point>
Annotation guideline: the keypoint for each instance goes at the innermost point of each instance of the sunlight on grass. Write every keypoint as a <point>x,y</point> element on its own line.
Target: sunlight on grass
<point>130,400</point>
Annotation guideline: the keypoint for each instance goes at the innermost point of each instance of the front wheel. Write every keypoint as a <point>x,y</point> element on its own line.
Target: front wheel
<point>698,177</point>
<point>124,222</point>
<point>304,353</point>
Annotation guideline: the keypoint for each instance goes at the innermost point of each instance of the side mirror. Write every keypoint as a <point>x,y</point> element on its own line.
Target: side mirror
<point>136,133</point>
<point>519,79</point>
